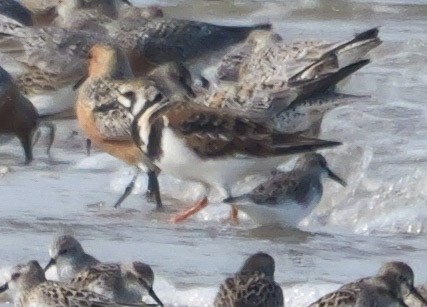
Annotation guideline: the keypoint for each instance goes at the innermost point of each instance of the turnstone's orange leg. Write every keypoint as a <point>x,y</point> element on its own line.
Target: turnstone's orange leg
<point>180,217</point>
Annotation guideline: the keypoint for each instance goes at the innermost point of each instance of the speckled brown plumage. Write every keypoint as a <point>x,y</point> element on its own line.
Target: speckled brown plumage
<point>252,286</point>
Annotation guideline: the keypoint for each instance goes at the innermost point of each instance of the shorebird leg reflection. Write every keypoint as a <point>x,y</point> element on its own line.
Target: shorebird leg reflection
<point>234,215</point>
<point>182,216</point>
<point>26,141</point>
<point>153,189</point>
<point>88,147</point>
<point>127,192</point>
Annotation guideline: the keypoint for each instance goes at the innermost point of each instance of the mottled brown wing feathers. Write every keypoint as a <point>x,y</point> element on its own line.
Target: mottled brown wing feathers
<point>212,133</point>
<point>344,297</point>
<point>103,272</point>
<point>253,290</point>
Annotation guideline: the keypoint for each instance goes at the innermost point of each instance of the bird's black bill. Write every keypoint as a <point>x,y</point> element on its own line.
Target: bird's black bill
<point>334,177</point>
<point>4,287</point>
<point>418,296</point>
<point>154,296</point>
<point>51,263</point>
<point>80,82</point>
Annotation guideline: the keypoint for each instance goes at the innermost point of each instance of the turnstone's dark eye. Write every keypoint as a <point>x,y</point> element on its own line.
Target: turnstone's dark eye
<point>63,251</point>
<point>15,276</point>
<point>158,98</point>
<point>131,96</point>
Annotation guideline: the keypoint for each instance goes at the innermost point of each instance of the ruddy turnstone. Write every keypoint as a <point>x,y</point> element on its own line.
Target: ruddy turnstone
<point>126,283</point>
<point>288,197</point>
<point>272,74</point>
<point>18,115</point>
<point>394,281</point>
<point>31,289</point>
<point>213,147</point>
<point>252,286</point>
<point>68,257</point>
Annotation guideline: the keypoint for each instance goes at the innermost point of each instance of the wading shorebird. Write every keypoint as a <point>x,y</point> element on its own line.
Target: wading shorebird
<point>104,120</point>
<point>252,286</point>
<point>273,75</point>
<point>210,146</point>
<point>287,197</point>
<point>52,59</point>
<point>31,289</point>
<point>122,282</point>
<point>46,62</point>
<point>126,283</point>
<point>18,116</point>
<point>394,281</point>
<point>97,15</point>
<point>61,12</point>
<point>68,257</point>
<point>100,14</point>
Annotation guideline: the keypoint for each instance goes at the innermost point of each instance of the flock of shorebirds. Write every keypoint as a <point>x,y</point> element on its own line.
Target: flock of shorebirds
<point>201,102</point>
<point>85,281</point>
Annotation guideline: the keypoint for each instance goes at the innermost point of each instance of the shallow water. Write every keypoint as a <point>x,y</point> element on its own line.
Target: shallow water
<point>380,216</point>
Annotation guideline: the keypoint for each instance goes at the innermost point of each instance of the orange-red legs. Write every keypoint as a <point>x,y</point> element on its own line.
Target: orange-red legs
<point>182,216</point>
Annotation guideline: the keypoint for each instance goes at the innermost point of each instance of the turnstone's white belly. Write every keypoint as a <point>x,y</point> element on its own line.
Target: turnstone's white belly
<point>180,161</point>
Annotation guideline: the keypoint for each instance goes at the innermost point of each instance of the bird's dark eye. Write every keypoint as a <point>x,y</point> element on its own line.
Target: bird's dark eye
<point>130,95</point>
<point>158,98</point>
<point>15,276</point>
<point>63,251</point>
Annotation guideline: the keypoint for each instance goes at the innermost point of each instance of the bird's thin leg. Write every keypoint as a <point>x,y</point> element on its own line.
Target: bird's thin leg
<point>88,146</point>
<point>234,214</point>
<point>182,216</point>
<point>153,189</point>
<point>26,141</point>
<point>128,190</point>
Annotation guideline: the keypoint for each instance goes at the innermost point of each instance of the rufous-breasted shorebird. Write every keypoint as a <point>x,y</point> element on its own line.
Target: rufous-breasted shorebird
<point>394,281</point>
<point>18,115</point>
<point>104,120</point>
<point>253,285</point>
